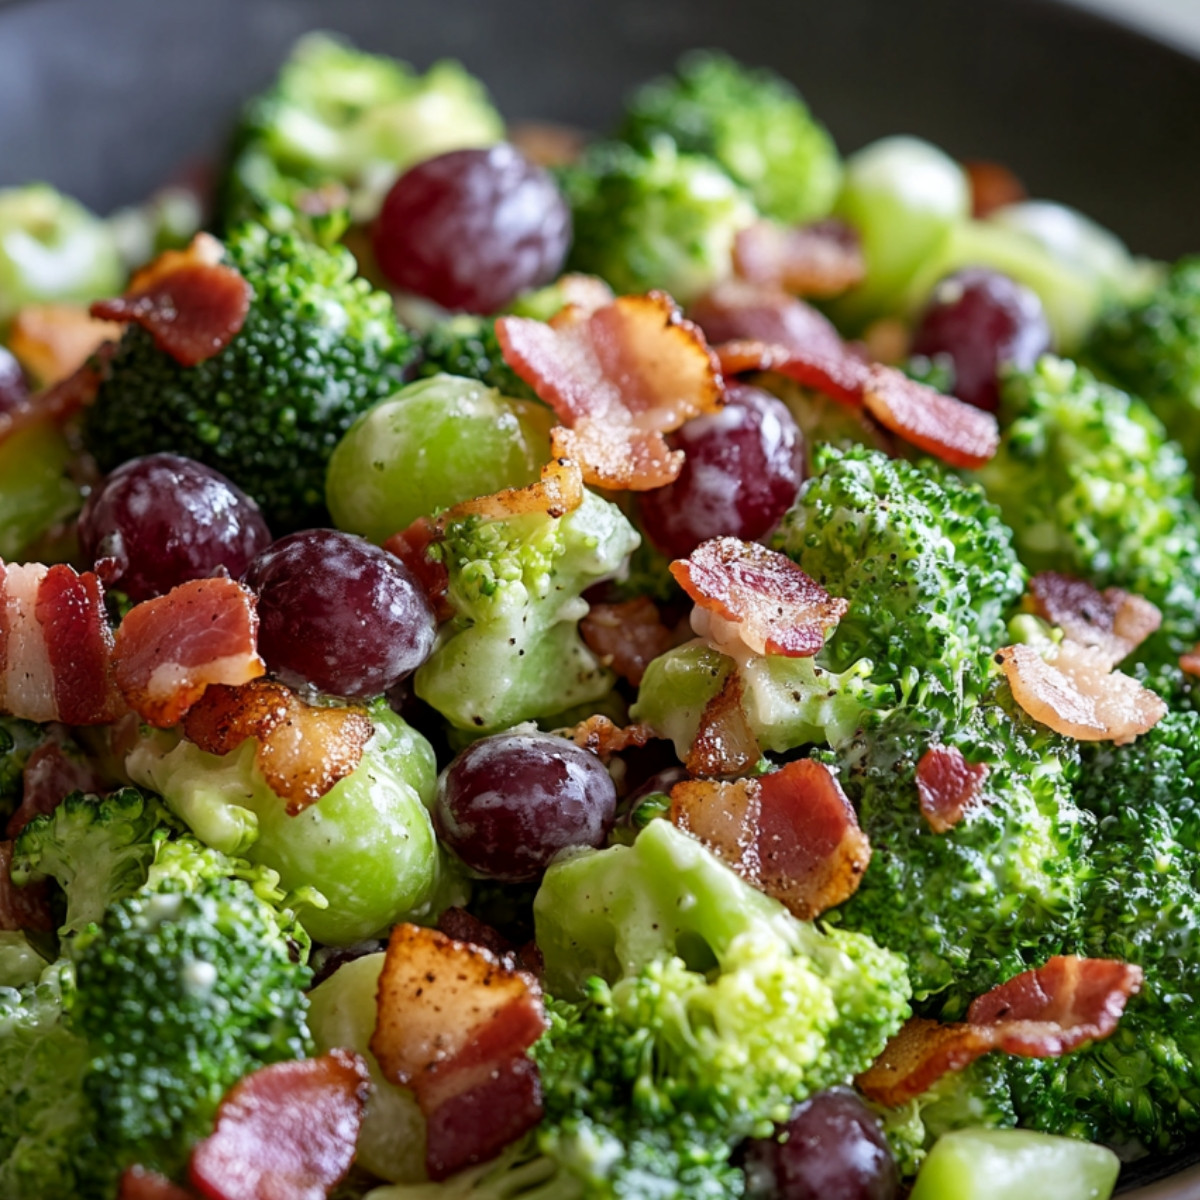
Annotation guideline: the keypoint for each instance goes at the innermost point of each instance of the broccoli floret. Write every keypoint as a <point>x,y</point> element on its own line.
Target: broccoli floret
<point>346,123</point>
<point>467,346</point>
<point>317,348</point>
<point>513,651</point>
<point>42,1106</point>
<point>925,561</point>
<point>1140,1088</point>
<point>98,849</point>
<point>752,122</point>
<point>699,1011</point>
<point>1152,348</point>
<point>998,892</point>
<point>1092,486</point>
<point>182,989</point>
<point>978,1097</point>
<point>654,219</point>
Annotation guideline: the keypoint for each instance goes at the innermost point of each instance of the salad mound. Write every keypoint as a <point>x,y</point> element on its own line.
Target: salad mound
<point>654,669</point>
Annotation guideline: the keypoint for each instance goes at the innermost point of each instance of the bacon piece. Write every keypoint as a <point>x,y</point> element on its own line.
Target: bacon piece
<point>169,649</point>
<point>1190,662</point>
<point>1079,695</point>
<point>61,400</point>
<point>947,785</point>
<point>791,833</point>
<point>841,375</point>
<point>139,1183</point>
<point>454,1023</point>
<point>771,604</point>
<point>548,143</point>
<point>25,907</point>
<point>604,738</point>
<point>627,636</point>
<point>736,311</point>
<point>725,743</point>
<point>303,751</point>
<point>79,645</point>
<point>50,774</point>
<point>285,1131</point>
<point>957,433</point>
<point>992,186</point>
<point>411,547</point>
<point>190,303</point>
<point>619,378</point>
<point>463,926</point>
<point>1042,1013</point>
<point>27,683</point>
<point>558,492</point>
<point>1114,621</point>
<point>822,259</point>
<point>52,341</point>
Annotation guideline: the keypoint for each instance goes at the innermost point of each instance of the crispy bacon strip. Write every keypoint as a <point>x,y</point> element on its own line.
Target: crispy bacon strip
<point>168,650</point>
<point>454,1023</point>
<point>627,636</point>
<point>303,751</point>
<point>1190,662</point>
<point>604,738</point>
<point>736,311</point>
<point>61,400</point>
<point>838,374</point>
<point>725,743</point>
<point>1114,621</point>
<point>52,341</point>
<point>548,143</point>
<point>771,604</point>
<point>558,492</point>
<point>957,433</point>
<point>792,833</point>
<point>1043,1013</point>
<point>619,378</point>
<point>1079,695</point>
<point>411,547</point>
<point>286,1130</point>
<point>947,786</point>
<point>190,303</point>
<point>25,907</point>
<point>822,259</point>
<point>992,186</point>
<point>55,646</point>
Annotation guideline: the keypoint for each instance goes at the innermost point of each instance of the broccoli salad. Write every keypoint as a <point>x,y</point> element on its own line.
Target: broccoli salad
<point>645,667</point>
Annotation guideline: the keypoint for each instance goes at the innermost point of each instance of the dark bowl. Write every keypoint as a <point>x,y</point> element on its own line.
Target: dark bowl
<point>107,100</point>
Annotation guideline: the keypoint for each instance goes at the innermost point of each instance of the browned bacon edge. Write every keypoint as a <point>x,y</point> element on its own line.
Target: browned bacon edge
<point>1115,622</point>
<point>822,259</point>
<point>947,786</point>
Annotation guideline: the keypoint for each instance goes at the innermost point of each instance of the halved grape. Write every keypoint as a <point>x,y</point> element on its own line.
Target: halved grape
<point>508,804</point>
<point>339,614</point>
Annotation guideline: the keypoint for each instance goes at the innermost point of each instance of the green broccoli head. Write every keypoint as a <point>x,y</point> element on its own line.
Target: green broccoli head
<point>43,1110</point>
<point>654,219</point>
<point>182,989</point>
<point>927,565</point>
<point>1139,1088</point>
<point>752,122</point>
<point>467,346</point>
<point>338,117</point>
<point>992,896</point>
<point>97,849</point>
<point>512,652</point>
<point>317,348</point>
<point>1152,348</point>
<point>1091,486</point>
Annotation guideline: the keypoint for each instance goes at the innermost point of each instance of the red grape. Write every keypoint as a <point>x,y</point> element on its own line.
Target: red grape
<point>159,521</point>
<point>743,468</point>
<point>507,804</point>
<point>339,614</point>
<point>831,1149</point>
<point>982,320</point>
<point>473,228</point>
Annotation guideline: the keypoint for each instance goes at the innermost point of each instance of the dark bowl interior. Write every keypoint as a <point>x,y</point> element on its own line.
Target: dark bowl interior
<point>108,100</point>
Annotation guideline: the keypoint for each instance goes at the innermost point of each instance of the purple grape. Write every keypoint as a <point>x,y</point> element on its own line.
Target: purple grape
<point>339,614</point>
<point>159,521</point>
<point>507,804</point>
<point>743,468</point>
<point>982,320</point>
<point>473,228</point>
<point>14,388</point>
<point>831,1149</point>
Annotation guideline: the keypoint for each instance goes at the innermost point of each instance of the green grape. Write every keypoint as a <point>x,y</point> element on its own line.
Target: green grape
<point>35,489</point>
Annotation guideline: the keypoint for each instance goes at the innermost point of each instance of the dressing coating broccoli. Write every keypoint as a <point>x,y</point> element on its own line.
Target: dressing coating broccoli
<point>1140,1088</point>
<point>512,652</point>
<point>752,122</point>
<point>660,218</point>
<point>336,129</point>
<point>692,1011</point>
<point>317,348</point>
<point>1092,486</point>
<point>1151,347</point>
